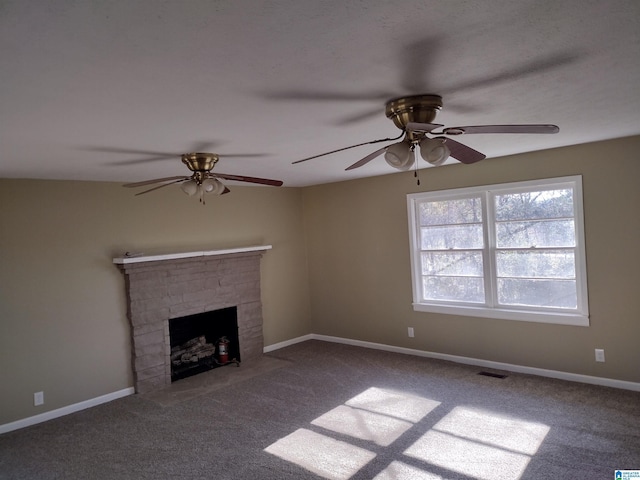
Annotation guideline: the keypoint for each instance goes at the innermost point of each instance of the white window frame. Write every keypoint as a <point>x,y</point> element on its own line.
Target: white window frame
<point>491,308</point>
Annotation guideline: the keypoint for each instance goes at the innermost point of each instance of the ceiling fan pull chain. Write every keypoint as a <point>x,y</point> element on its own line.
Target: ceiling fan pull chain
<point>416,175</point>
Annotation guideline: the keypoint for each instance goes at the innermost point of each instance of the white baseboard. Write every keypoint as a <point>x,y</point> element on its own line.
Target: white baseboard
<point>288,343</point>
<point>572,377</point>
<point>60,412</point>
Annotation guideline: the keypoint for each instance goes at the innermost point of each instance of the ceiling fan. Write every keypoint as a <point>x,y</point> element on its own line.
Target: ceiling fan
<point>202,181</point>
<point>413,116</point>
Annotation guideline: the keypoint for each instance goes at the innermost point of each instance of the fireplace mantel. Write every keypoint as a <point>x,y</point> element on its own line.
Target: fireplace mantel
<point>137,258</point>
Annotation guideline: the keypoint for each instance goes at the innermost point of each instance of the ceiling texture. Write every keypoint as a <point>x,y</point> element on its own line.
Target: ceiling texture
<point>103,90</point>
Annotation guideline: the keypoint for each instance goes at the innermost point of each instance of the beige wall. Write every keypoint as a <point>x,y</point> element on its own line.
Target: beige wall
<point>339,266</point>
<point>63,325</point>
<point>360,277</point>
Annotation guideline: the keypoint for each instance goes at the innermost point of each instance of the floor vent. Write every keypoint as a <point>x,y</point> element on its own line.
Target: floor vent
<point>491,374</point>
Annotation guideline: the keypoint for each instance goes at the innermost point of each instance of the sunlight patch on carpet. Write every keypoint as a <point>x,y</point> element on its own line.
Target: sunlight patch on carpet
<point>376,415</point>
<point>322,455</point>
<point>380,429</point>
<point>401,471</point>
<point>480,444</point>
<point>487,427</point>
<point>476,443</point>
<point>394,404</point>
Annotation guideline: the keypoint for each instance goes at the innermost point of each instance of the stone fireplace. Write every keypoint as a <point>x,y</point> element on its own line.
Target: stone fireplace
<point>164,287</point>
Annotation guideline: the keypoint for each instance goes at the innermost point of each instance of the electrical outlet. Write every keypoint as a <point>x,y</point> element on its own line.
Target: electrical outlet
<point>38,398</point>
<point>410,332</point>
<point>599,355</point>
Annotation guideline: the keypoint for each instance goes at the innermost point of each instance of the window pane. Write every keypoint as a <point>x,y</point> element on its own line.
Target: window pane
<point>452,263</point>
<point>462,289</point>
<point>540,293</point>
<point>548,233</point>
<point>444,238</point>
<point>545,263</point>
<point>450,212</point>
<point>530,205</point>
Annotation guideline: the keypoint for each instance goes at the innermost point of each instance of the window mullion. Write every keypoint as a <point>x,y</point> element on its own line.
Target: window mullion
<point>489,226</point>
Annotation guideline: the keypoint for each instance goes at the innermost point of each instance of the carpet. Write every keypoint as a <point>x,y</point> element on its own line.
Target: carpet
<point>318,410</point>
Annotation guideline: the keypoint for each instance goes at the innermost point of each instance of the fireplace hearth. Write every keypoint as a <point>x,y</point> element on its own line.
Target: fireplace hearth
<point>163,288</point>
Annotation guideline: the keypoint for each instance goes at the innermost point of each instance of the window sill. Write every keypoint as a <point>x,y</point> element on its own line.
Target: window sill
<point>557,318</point>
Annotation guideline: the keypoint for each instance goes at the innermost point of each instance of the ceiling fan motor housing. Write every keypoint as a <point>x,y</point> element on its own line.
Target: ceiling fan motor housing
<point>200,162</point>
<point>415,108</point>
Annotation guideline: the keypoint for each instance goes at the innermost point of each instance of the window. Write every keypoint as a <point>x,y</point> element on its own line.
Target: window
<point>513,251</point>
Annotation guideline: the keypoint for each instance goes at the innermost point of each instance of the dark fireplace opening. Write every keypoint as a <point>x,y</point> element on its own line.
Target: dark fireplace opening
<point>195,342</point>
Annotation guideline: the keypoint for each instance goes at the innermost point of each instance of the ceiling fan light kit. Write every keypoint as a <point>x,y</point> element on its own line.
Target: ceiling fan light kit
<point>400,155</point>
<point>434,150</point>
<point>208,185</point>
<point>190,187</point>
<point>213,186</point>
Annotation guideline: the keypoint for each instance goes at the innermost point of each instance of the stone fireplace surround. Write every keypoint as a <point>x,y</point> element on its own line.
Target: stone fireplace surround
<point>163,287</point>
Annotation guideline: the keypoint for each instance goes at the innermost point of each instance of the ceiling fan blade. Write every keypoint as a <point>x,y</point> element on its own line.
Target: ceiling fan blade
<point>463,153</point>
<point>422,127</point>
<point>226,190</point>
<point>368,158</point>
<point>352,146</point>
<point>242,178</point>
<point>156,180</point>
<point>533,128</point>
<point>161,186</point>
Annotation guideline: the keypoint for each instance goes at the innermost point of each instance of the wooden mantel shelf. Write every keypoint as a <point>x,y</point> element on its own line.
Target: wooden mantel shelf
<point>136,258</point>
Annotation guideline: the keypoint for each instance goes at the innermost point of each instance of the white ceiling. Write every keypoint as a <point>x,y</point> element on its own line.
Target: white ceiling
<point>87,84</point>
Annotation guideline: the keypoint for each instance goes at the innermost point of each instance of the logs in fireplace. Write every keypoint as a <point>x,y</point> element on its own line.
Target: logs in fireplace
<point>191,352</point>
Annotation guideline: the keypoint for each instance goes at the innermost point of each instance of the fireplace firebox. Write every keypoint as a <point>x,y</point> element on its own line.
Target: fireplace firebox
<point>195,342</point>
